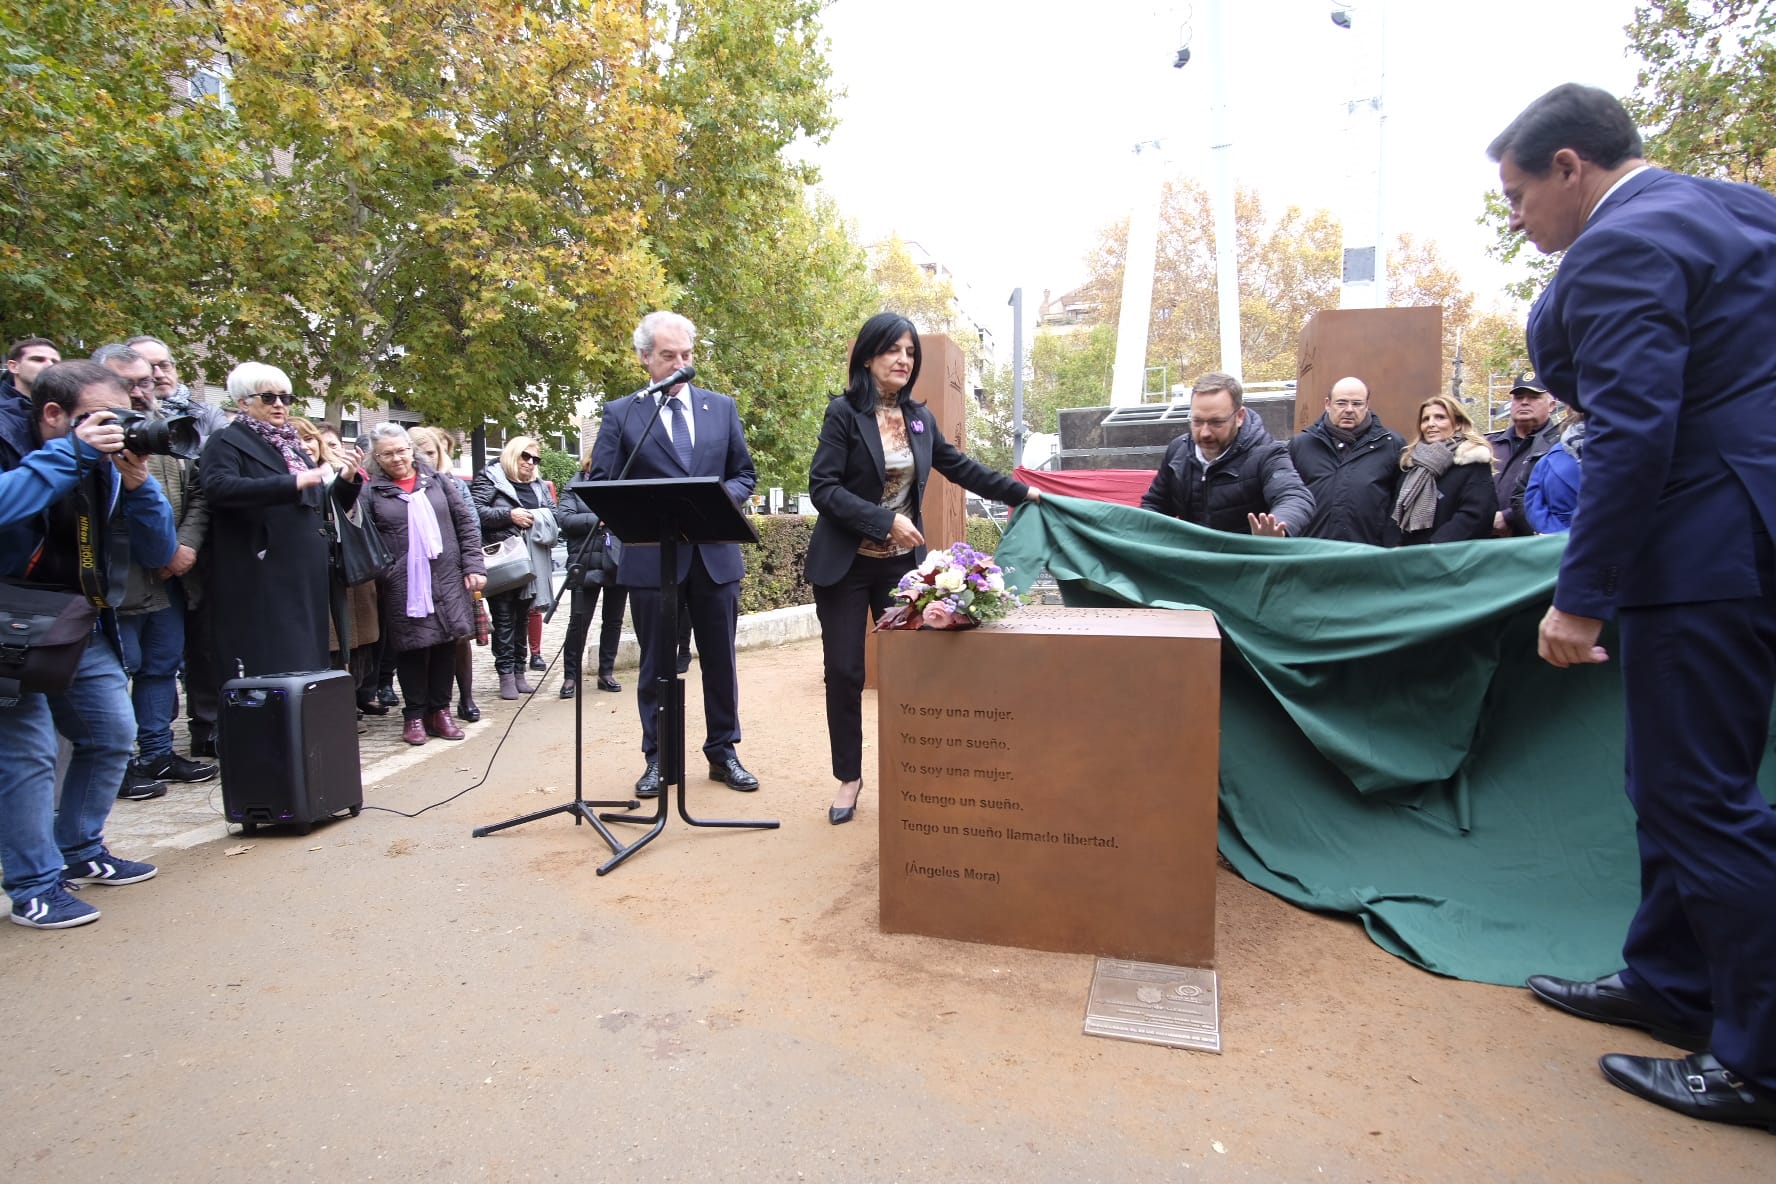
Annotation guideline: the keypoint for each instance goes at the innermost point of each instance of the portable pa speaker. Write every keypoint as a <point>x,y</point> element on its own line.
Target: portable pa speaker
<point>289,749</point>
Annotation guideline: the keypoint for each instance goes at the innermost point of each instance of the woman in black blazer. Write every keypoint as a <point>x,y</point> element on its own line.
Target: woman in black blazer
<point>878,446</point>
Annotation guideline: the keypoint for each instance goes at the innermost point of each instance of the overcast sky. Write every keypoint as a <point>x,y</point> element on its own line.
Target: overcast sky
<point>999,133</point>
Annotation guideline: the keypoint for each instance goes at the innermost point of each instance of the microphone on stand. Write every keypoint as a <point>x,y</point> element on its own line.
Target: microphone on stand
<point>682,374</point>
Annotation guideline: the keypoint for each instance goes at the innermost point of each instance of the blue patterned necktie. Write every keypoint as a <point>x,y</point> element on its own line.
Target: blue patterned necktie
<point>681,431</point>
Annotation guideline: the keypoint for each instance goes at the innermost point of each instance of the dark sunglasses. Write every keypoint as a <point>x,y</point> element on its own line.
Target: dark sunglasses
<point>284,397</point>
<point>532,457</point>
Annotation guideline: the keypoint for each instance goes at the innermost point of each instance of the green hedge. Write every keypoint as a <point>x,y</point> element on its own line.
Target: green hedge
<point>774,569</point>
<point>775,575</point>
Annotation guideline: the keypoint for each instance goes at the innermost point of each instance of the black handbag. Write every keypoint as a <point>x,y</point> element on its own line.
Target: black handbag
<point>44,633</point>
<point>363,556</point>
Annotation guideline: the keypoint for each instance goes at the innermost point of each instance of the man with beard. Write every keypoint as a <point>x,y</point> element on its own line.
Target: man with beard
<point>1228,473</point>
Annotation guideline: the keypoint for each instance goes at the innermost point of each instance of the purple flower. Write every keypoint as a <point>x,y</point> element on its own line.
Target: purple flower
<point>918,426</point>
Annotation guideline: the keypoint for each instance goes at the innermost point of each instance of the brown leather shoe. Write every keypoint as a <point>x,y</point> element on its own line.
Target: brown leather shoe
<point>439,724</point>
<point>414,731</point>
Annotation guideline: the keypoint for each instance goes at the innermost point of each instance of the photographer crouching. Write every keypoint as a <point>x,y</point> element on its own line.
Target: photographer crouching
<point>75,509</point>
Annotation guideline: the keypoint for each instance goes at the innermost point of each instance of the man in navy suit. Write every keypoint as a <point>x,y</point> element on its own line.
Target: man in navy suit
<point>697,434</point>
<point>1659,326</point>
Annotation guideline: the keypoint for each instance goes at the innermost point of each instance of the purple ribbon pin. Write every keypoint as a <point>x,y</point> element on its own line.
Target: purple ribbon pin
<point>919,426</point>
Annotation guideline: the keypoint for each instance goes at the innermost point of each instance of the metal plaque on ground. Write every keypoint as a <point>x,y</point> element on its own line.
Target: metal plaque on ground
<point>1154,1004</point>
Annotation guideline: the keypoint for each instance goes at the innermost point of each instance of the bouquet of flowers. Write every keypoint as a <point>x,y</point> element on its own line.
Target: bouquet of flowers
<point>956,588</point>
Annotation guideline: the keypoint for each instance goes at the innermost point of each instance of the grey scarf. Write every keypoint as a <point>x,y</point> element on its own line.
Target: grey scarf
<point>1416,507</point>
<point>1573,440</point>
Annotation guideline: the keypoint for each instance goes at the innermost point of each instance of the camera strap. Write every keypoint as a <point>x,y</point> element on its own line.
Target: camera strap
<point>92,541</point>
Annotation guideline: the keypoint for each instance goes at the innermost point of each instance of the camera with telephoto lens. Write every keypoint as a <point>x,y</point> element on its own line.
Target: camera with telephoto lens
<point>144,435</point>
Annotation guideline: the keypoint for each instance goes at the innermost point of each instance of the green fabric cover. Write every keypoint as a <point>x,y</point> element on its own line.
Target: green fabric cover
<point>1391,746</point>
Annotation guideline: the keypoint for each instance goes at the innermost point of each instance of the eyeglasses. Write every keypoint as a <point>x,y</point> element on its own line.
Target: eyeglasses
<point>166,366</point>
<point>1342,405</point>
<point>284,397</point>
<point>139,384</point>
<point>531,457</point>
<point>1219,421</point>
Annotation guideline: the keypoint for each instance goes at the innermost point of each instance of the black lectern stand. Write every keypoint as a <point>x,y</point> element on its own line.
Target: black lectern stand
<point>668,512</point>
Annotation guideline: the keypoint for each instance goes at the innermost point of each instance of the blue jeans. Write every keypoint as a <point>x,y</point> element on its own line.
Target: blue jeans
<point>153,648</point>
<point>36,839</point>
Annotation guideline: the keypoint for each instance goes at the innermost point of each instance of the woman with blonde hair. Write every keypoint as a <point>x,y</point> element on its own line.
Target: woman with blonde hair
<point>268,550</point>
<point>512,500</point>
<point>1446,493</point>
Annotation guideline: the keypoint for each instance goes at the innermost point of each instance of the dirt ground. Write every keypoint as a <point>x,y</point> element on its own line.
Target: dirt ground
<point>391,999</point>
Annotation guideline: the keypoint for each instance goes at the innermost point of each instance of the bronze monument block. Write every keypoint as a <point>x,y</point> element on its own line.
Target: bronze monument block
<point>1049,781</point>
<point>1397,351</point>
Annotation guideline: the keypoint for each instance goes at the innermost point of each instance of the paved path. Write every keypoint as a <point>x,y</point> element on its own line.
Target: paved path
<point>192,814</point>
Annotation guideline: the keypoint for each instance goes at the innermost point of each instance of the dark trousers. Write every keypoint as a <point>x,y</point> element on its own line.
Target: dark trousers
<point>385,662</point>
<point>1699,680</point>
<point>715,614</point>
<point>427,677</point>
<point>203,693</point>
<point>510,613</point>
<point>845,610</point>
<point>684,621</point>
<point>610,632</point>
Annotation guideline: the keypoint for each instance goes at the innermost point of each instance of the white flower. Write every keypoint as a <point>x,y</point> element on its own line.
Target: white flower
<point>950,580</point>
<point>995,582</point>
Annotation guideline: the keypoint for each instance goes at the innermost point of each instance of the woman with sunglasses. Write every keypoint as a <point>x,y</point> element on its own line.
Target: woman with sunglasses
<point>512,500</point>
<point>269,559</point>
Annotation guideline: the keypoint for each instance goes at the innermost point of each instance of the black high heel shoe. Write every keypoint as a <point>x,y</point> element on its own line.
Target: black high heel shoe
<point>838,814</point>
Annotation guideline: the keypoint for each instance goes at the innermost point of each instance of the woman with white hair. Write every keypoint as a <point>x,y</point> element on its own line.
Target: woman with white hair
<point>268,550</point>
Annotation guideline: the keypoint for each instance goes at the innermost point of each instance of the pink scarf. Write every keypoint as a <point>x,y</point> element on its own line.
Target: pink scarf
<point>424,543</point>
<point>281,437</point>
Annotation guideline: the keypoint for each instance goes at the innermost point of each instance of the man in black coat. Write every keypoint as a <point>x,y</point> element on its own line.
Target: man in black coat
<point>1228,473</point>
<point>1351,465</point>
<point>1516,449</point>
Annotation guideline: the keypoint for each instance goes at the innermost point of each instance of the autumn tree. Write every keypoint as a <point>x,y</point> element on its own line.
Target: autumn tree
<point>1288,270</point>
<point>123,197</point>
<point>461,197</point>
<point>770,273</point>
<point>1704,98</point>
<point>1706,92</point>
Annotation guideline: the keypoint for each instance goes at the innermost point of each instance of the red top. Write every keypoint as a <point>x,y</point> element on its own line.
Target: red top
<point>409,483</point>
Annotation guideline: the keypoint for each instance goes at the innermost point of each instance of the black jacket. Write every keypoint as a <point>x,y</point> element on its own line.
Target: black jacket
<point>1465,501</point>
<point>1513,460</point>
<point>1353,485</point>
<point>1254,476</point>
<point>587,540</point>
<point>495,497</point>
<point>270,556</point>
<point>847,474</point>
